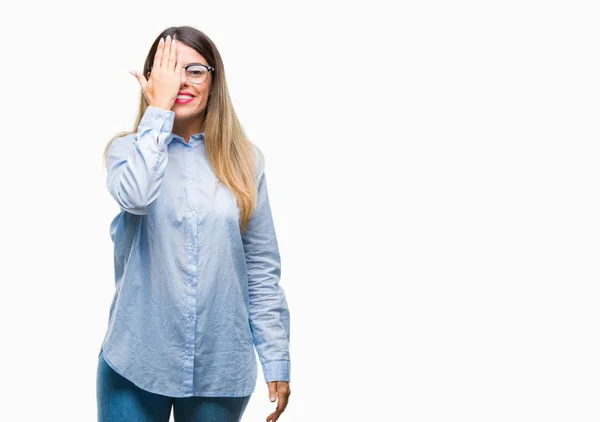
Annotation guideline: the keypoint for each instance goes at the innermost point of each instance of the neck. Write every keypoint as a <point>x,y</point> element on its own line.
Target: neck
<point>188,127</point>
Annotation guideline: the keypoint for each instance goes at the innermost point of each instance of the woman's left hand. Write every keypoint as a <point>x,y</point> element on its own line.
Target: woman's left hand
<point>280,391</point>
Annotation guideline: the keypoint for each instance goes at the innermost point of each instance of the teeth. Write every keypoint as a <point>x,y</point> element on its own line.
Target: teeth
<point>184,97</point>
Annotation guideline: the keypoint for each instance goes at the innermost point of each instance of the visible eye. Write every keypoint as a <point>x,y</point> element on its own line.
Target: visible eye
<point>197,74</point>
<point>198,71</point>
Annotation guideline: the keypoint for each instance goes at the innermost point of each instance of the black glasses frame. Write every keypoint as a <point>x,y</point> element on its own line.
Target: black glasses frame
<point>209,68</point>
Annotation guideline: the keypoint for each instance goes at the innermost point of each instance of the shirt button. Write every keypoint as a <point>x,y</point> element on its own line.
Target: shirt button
<point>191,317</point>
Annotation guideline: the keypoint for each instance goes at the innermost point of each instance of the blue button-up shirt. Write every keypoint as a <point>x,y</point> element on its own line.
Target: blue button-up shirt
<point>193,297</point>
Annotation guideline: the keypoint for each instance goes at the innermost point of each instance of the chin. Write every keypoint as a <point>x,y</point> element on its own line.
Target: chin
<point>183,113</point>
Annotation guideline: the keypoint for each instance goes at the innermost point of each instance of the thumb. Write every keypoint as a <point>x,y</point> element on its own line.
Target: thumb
<point>139,77</point>
<point>273,390</point>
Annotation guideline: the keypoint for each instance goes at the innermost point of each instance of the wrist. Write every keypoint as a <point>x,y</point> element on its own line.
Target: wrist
<point>161,106</point>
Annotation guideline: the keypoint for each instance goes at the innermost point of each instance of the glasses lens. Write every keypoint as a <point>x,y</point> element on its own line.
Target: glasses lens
<point>197,74</point>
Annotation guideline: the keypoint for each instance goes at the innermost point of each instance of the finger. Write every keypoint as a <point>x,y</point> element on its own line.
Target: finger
<point>158,54</point>
<point>173,55</point>
<point>179,64</point>
<point>272,391</point>
<point>273,416</point>
<point>139,77</point>
<point>166,52</point>
<point>282,402</point>
<point>283,394</point>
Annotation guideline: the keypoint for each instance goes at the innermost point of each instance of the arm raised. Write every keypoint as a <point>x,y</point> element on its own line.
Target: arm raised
<point>137,162</point>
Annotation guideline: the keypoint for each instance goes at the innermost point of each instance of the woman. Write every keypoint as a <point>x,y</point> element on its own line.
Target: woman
<point>196,259</point>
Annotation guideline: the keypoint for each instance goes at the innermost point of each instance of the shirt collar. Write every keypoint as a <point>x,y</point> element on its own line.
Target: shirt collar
<point>195,140</point>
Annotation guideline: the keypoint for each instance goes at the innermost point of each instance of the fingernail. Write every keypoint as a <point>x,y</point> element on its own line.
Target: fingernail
<point>272,398</point>
<point>132,72</point>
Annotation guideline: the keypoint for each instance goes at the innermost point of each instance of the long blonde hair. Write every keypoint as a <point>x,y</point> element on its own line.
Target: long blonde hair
<point>227,147</point>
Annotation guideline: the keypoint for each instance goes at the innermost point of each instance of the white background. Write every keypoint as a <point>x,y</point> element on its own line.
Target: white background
<point>433,175</point>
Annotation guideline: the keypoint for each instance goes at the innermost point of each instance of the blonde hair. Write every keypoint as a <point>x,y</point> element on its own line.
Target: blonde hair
<point>228,149</point>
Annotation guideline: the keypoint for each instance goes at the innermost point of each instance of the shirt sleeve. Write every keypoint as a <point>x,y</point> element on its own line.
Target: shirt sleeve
<point>137,162</point>
<point>269,313</point>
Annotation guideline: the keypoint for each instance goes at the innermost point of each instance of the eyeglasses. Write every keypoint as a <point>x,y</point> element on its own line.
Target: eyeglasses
<point>197,73</point>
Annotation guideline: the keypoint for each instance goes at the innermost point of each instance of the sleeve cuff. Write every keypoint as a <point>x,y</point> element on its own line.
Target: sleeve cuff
<point>277,370</point>
<point>158,119</point>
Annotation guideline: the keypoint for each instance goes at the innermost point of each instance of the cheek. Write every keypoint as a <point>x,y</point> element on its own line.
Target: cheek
<point>204,90</point>
<point>203,94</point>
<point>203,101</point>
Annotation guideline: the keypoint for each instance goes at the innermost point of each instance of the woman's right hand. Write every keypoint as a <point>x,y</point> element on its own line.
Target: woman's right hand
<point>163,85</point>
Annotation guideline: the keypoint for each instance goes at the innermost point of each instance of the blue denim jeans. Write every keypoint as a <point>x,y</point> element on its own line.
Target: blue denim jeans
<point>121,400</point>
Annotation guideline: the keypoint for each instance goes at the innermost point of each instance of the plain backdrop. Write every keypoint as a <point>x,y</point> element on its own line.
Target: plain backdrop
<point>433,175</point>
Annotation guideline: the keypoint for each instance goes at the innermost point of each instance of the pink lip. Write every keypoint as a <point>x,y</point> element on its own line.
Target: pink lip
<point>178,101</point>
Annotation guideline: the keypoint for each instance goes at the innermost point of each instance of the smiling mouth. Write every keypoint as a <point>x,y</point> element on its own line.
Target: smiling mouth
<point>183,99</point>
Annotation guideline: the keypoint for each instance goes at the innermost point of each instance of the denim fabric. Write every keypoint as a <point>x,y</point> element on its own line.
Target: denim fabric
<point>193,297</point>
<point>118,399</point>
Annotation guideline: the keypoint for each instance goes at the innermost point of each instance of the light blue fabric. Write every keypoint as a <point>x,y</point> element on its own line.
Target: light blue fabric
<point>193,296</point>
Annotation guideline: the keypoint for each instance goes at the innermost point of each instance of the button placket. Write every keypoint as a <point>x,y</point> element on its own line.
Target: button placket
<point>192,233</point>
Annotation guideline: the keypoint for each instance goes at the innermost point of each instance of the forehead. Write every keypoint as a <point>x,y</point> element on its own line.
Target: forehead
<point>189,55</point>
